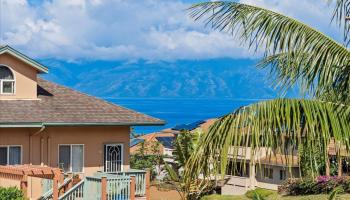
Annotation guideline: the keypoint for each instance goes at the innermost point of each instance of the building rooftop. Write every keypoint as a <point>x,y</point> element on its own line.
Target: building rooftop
<point>58,105</point>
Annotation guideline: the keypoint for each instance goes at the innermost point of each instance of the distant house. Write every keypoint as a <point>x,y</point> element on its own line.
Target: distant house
<point>166,137</point>
<point>267,170</point>
<point>163,138</point>
<point>46,124</point>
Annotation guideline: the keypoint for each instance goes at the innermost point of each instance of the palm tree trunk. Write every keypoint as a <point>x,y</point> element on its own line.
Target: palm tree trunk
<point>328,170</point>
<point>340,166</point>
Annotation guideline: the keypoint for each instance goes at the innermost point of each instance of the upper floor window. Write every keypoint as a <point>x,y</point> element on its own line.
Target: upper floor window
<point>7,81</point>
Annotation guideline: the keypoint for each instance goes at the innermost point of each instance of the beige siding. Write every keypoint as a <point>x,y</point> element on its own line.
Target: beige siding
<point>42,148</point>
<point>25,78</point>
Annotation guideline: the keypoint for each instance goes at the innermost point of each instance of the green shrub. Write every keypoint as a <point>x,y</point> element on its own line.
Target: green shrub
<point>259,192</point>
<point>320,185</point>
<point>11,193</point>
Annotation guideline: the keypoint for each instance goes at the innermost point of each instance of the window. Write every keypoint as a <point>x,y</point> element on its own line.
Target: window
<point>283,175</point>
<point>268,173</point>
<point>10,155</point>
<point>7,81</point>
<point>71,157</point>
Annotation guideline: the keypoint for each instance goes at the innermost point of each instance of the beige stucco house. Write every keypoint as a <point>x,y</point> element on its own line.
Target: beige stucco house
<point>43,123</point>
<point>266,169</point>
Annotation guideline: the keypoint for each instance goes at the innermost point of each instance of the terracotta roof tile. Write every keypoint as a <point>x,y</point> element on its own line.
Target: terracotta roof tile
<point>60,105</point>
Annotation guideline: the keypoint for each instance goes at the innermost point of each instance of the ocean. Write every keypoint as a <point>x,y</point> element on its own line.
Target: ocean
<point>180,111</point>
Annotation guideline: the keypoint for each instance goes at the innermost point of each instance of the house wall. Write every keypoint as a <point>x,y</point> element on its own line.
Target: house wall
<point>238,185</point>
<point>25,78</point>
<point>273,183</point>
<point>42,148</point>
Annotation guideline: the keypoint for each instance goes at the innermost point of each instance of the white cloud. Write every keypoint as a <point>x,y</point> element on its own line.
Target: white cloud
<point>129,29</point>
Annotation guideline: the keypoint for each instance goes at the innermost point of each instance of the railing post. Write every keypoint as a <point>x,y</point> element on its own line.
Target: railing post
<point>148,184</point>
<point>132,188</point>
<point>104,188</point>
<point>55,188</point>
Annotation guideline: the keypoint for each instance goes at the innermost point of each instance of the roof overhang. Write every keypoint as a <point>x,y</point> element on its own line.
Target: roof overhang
<point>42,124</point>
<point>9,50</point>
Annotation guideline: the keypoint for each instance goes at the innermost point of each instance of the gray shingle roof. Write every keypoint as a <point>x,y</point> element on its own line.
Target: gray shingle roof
<point>58,105</point>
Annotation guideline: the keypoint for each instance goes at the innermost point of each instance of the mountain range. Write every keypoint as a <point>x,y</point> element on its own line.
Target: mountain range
<point>215,78</point>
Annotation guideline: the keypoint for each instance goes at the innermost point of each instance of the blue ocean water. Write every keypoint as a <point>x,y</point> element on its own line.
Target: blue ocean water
<point>180,111</point>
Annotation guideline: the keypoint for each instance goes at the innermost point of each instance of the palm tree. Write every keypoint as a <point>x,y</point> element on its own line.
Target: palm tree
<point>295,53</point>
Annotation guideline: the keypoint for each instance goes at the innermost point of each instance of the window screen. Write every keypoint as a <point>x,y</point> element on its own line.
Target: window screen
<point>77,158</point>
<point>71,158</point>
<point>14,155</point>
<point>64,157</point>
<point>3,155</point>
<point>8,87</point>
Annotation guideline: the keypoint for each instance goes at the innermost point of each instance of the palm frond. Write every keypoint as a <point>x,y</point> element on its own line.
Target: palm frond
<point>276,127</point>
<point>172,173</point>
<point>325,65</point>
<point>341,16</point>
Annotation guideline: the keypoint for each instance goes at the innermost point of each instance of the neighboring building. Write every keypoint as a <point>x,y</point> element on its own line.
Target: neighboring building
<point>149,140</point>
<point>268,170</point>
<point>43,123</point>
<point>166,137</point>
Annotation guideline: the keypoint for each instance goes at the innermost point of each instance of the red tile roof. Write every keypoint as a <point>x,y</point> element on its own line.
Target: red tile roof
<point>58,105</point>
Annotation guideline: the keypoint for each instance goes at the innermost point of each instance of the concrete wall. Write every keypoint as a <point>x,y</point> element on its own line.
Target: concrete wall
<point>25,78</point>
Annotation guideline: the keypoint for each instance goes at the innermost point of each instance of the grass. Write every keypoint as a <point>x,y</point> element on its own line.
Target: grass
<point>262,192</point>
<point>275,197</point>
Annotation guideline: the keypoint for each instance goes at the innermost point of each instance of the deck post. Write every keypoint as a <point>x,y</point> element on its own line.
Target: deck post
<point>24,186</point>
<point>60,181</point>
<point>104,188</point>
<point>55,191</point>
<point>148,184</point>
<point>132,188</point>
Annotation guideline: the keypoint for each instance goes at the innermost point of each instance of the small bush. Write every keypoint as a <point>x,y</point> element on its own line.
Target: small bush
<point>11,193</point>
<point>260,192</point>
<point>321,185</point>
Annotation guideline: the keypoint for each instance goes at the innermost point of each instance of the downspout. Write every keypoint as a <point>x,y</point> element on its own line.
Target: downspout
<point>31,144</point>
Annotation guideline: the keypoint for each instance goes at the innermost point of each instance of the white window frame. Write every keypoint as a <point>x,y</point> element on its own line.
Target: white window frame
<point>8,80</point>
<point>71,157</point>
<point>8,152</point>
<point>105,155</point>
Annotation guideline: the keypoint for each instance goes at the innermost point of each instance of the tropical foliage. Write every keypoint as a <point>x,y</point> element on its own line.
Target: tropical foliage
<point>148,156</point>
<point>295,53</point>
<point>12,193</point>
<point>322,184</point>
<point>184,145</point>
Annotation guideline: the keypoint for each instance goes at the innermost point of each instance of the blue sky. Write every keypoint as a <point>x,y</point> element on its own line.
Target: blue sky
<point>78,30</point>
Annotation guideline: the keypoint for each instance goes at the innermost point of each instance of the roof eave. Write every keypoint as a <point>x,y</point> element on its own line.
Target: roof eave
<point>41,124</point>
<point>7,49</point>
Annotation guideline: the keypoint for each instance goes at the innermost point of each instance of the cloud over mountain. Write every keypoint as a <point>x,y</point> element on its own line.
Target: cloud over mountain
<point>129,29</point>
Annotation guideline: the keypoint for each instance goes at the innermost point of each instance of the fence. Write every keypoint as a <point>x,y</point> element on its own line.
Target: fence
<point>141,178</point>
